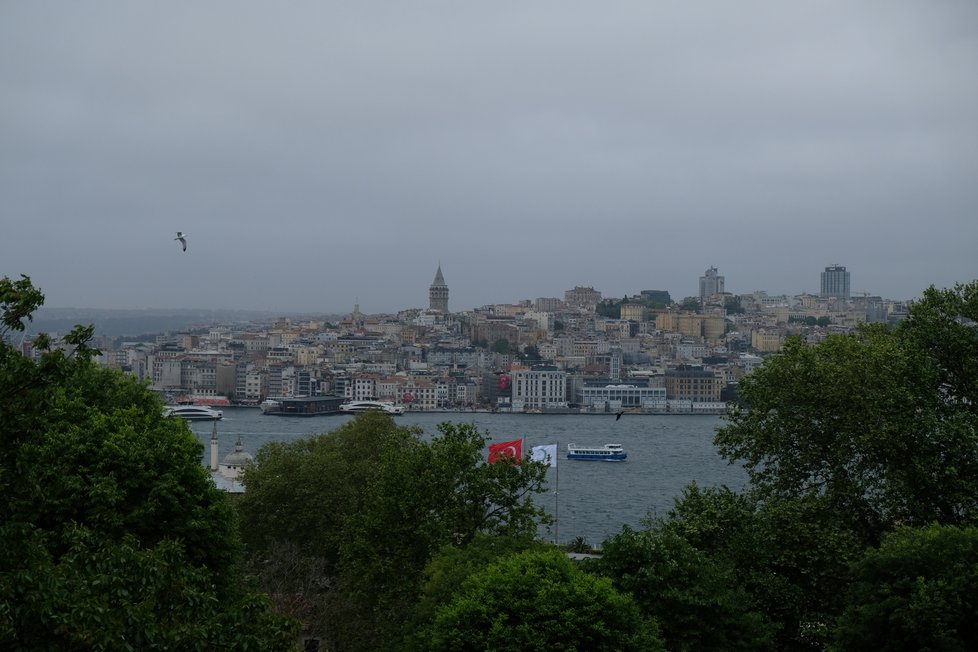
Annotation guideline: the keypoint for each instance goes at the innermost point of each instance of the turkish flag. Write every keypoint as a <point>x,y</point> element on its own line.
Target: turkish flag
<point>506,449</point>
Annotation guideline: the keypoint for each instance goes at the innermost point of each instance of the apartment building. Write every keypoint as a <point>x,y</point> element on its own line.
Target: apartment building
<point>543,386</point>
<point>692,383</point>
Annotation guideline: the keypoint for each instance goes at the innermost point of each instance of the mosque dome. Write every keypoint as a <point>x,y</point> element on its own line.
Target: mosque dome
<point>238,458</point>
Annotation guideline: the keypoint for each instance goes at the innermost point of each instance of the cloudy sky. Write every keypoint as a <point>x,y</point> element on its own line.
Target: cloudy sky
<point>324,153</point>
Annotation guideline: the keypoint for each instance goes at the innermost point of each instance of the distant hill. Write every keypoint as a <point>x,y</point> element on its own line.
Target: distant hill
<point>131,323</point>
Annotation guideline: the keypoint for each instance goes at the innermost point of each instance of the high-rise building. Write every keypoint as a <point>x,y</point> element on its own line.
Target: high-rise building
<point>438,293</point>
<point>835,282</point>
<point>711,284</point>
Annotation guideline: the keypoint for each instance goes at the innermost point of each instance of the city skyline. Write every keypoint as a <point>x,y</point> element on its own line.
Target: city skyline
<point>439,291</point>
<point>321,155</point>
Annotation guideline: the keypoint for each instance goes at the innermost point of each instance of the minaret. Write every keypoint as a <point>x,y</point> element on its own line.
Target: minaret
<point>438,293</point>
<point>214,448</point>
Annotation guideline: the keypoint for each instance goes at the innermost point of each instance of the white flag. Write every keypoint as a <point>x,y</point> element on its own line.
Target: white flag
<point>546,454</point>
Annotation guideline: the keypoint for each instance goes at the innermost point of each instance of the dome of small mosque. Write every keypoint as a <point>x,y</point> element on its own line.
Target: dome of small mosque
<point>239,457</point>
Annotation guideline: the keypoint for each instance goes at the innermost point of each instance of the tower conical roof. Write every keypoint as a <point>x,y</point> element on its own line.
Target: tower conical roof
<point>439,279</point>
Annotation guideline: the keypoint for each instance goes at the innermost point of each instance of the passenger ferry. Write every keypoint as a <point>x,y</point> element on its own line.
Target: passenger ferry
<point>363,406</point>
<point>193,412</point>
<point>606,453</point>
<point>301,406</point>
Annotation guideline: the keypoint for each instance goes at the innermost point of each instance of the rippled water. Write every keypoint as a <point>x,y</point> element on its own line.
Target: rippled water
<point>665,453</point>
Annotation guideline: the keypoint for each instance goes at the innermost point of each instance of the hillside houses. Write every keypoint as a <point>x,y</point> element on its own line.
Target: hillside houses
<point>550,354</point>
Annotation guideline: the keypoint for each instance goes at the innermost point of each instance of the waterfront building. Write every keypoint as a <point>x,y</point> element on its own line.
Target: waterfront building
<point>363,388</point>
<point>693,383</point>
<point>419,394</point>
<point>622,396</point>
<point>835,282</point>
<point>543,386</point>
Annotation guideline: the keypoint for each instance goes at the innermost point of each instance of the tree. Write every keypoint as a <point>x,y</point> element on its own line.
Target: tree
<point>691,304</point>
<point>861,422</point>
<point>733,306</point>
<point>788,559</point>
<point>96,593</point>
<point>843,442</point>
<point>916,592</point>
<point>502,346</point>
<point>696,600</point>
<point>449,568</point>
<point>539,601</point>
<point>112,533</point>
<point>610,308</point>
<point>944,324</point>
<point>531,353</point>
<point>373,502</point>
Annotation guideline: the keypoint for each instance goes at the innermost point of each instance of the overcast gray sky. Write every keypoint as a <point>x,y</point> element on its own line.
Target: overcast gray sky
<point>322,153</point>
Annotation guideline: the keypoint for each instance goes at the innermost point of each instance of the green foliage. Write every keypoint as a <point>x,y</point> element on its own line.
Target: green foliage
<point>101,594</point>
<point>944,325</point>
<point>696,600</point>
<point>692,304</point>
<point>447,571</point>
<point>539,601</point>
<point>18,302</point>
<point>579,544</point>
<point>609,308</point>
<point>733,306</point>
<point>112,534</point>
<point>916,592</point>
<point>857,421</point>
<point>374,502</point>
<point>503,347</point>
<point>102,454</point>
<point>843,442</point>
<point>794,561</point>
<point>531,353</point>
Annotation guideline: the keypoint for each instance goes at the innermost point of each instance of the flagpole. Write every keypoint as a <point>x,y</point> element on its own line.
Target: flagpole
<point>557,498</point>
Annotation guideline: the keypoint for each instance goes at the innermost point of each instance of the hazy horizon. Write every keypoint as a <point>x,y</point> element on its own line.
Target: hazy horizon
<point>322,154</point>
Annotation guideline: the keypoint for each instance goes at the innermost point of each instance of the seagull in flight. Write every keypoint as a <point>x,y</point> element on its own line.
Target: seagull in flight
<point>618,416</point>
<point>182,237</point>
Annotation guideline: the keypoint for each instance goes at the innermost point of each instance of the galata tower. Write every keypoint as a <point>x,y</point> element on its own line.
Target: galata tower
<point>438,293</point>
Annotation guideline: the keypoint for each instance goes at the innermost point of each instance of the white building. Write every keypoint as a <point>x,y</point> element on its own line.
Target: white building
<point>543,386</point>
<point>618,397</point>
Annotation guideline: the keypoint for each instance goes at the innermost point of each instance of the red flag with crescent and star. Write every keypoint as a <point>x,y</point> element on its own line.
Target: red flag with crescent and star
<point>512,450</point>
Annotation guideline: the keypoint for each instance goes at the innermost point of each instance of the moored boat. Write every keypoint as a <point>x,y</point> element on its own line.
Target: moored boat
<point>606,453</point>
<point>364,406</point>
<point>193,412</point>
<point>301,406</point>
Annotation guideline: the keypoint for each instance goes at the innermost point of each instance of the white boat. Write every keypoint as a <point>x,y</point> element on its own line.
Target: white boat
<point>270,405</point>
<point>193,412</point>
<point>364,406</point>
<point>606,453</point>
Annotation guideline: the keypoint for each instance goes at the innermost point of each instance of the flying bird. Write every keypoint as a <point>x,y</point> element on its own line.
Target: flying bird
<point>182,237</point>
<point>618,416</point>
